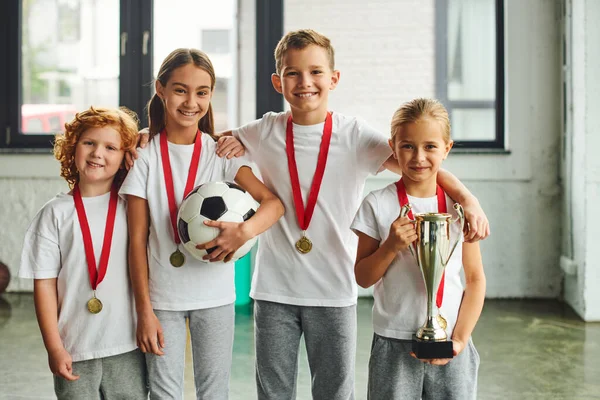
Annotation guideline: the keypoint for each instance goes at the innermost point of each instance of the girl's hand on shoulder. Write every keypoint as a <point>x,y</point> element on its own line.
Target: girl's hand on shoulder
<point>233,235</point>
<point>131,154</point>
<point>402,234</point>
<point>149,334</point>
<point>230,147</point>
<point>61,364</point>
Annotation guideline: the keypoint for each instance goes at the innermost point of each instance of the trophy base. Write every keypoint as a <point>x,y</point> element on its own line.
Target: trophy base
<point>426,349</point>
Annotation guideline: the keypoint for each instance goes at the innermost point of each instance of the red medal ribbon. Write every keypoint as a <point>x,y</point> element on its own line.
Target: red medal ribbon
<point>442,208</point>
<point>191,178</point>
<point>303,216</point>
<point>96,275</point>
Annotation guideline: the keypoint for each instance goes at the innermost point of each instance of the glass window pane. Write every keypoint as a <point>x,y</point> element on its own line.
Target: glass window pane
<point>216,41</point>
<point>471,45</point>
<point>69,60</point>
<point>215,36</point>
<point>473,124</point>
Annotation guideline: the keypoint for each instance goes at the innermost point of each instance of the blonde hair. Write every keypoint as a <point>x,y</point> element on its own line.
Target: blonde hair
<point>122,120</point>
<point>299,40</point>
<point>176,59</point>
<point>418,109</point>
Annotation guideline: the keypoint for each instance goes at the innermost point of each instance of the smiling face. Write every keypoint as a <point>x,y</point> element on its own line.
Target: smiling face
<point>98,156</point>
<point>186,97</point>
<point>305,81</point>
<point>420,147</point>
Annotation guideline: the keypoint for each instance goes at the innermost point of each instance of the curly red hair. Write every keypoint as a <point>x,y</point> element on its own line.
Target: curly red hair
<point>121,119</point>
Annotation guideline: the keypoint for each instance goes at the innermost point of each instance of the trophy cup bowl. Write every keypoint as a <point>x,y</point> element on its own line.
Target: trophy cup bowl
<point>432,251</point>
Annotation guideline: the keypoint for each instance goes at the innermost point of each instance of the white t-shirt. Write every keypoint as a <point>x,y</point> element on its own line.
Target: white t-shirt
<point>196,284</point>
<point>324,276</point>
<point>400,306</point>
<point>53,248</point>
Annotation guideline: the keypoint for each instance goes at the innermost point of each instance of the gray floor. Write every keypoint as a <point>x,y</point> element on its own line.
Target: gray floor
<point>529,350</point>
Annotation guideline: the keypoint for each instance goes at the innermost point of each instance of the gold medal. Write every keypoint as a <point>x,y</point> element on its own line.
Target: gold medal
<point>442,321</point>
<point>177,259</point>
<point>94,305</point>
<point>304,245</point>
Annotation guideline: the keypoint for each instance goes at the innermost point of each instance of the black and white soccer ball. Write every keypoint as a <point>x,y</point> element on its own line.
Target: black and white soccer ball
<point>216,201</point>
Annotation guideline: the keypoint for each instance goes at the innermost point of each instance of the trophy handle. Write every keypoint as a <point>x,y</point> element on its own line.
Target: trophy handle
<point>461,218</point>
<point>403,213</point>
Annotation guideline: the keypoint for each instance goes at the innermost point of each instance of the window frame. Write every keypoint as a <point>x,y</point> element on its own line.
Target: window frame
<point>441,82</point>
<point>269,30</point>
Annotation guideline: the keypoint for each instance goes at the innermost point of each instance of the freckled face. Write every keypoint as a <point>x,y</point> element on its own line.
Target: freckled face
<point>98,155</point>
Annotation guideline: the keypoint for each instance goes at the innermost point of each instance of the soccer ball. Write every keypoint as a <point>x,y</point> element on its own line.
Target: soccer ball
<point>216,201</point>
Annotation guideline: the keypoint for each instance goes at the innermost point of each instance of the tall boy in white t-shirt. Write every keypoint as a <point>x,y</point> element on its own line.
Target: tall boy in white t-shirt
<point>316,162</point>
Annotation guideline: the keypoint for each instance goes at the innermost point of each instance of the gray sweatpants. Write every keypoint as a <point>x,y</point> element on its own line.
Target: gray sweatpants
<point>211,332</point>
<point>330,338</point>
<point>394,374</point>
<point>122,377</point>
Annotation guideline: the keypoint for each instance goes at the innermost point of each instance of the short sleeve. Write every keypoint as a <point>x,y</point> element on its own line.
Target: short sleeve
<point>373,148</point>
<point>232,166</point>
<point>250,135</point>
<point>136,182</point>
<point>365,220</point>
<point>40,258</point>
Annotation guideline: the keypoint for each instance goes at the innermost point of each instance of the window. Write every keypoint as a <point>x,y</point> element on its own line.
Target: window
<point>69,21</point>
<point>470,71</point>
<point>215,41</point>
<point>61,56</point>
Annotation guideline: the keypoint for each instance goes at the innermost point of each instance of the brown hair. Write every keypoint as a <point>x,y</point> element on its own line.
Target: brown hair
<point>299,40</point>
<point>179,58</point>
<point>121,119</point>
<point>421,108</point>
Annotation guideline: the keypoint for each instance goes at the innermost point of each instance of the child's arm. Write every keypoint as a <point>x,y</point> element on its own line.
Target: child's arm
<point>45,297</point>
<point>472,301</point>
<point>373,259</point>
<point>479,227</point>
<point>234,235</point>
<point>149,333</point>
<point>473,297</point>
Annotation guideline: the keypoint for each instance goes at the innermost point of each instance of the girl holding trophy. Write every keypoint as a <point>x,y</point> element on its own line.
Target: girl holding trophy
<point>405,288</point>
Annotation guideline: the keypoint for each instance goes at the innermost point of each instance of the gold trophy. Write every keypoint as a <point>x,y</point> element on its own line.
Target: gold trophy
<point>432,253</point>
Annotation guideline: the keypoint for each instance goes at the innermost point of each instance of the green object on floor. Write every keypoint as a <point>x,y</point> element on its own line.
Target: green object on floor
<point>243,278</point>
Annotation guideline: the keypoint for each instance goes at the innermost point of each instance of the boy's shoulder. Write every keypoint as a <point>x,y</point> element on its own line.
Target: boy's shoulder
<point>57,203</point>
<point>383,194</point>
<point>53,210</point>
<point>352,124</point>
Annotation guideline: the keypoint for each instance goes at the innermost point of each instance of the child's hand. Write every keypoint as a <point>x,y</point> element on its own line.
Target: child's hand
<point>131,154</point>
<point>477,226</point>
<point>149,334</point>
<point>457,347</point>
<point>402,234</point>
<point>230,147</point>
<point>61,364</point>
<point>232,237</point>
